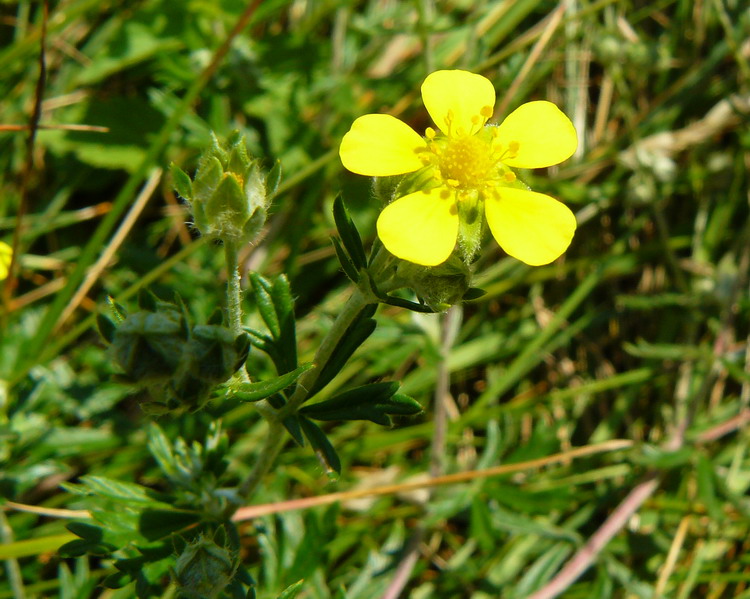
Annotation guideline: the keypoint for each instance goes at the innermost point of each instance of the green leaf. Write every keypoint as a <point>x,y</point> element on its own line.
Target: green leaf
<point>106,328</point>
<point>656,457</point>
<point>264,301</point>
<point>157,524</point>
<point>349,235</point>
<point>292,424</point>
<point>276,307</point>
<point>291,591</point>
<point>360,329</point>
<point>117,489</point>
<point>287,340</point>
<point>263,389</point>
<point>182,183</point>
<point>409,305</point>
<point>373,402</point>
<point>322,446</point>
<point>349,269</point>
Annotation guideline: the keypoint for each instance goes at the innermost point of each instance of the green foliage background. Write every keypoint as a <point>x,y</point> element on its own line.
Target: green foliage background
<point>639,330</point>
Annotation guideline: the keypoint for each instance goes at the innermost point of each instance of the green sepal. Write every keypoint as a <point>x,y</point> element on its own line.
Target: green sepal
<point>349,269</point>
<point>375,402</point>
<point>292,424</point>
<point>322,446</point>
<point>262,389</point>
<point>182,184</point>
<point>360,329</point>
<point>229,198</point>
<point>473,293</point>
<point>207,178</point>
<point>107,328</point>
<point>273,179</point>
<point>349,235</point>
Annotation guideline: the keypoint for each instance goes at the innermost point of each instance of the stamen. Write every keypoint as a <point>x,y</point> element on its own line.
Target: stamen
<point>430,133</point>
<point>509,176</point>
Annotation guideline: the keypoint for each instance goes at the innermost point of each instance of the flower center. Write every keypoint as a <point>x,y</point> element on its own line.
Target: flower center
<point>466,161</point>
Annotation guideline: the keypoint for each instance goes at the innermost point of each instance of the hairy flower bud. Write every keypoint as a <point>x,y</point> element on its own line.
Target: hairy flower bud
<point>228,196</point>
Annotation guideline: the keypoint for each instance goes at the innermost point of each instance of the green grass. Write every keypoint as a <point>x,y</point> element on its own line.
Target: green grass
<point>640,331</point>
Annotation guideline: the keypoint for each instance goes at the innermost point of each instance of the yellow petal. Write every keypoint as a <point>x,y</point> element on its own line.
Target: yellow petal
<point>379,145</point>
<point>529,226</point>
<point>459,102</point>
<point>6,253</point>
<point>421,227</point>
<point>543,134</point>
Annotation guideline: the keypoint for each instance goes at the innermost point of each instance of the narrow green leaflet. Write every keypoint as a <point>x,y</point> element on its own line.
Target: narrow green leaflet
<point>322,446</point>
<point>349,235</point>
<point>346,264</point>
<point>375,402</point>
<point>263,389</point>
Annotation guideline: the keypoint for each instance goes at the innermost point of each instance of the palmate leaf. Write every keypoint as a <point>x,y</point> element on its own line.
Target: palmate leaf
<point>375,402</point>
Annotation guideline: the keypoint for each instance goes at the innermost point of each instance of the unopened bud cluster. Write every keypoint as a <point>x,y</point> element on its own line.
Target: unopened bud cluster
<point>178,363</point>
<point>228,196</point>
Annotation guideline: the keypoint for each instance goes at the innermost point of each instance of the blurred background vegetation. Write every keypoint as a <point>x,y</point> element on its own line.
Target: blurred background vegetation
<point>639,332</point>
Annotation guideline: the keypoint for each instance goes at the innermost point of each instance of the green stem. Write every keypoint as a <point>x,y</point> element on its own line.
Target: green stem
<point>276,437</point>
<point>354,305</point>
<point>234,292</point>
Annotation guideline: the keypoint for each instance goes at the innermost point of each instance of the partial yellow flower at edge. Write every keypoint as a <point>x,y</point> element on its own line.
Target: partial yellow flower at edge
<point>6,253</point>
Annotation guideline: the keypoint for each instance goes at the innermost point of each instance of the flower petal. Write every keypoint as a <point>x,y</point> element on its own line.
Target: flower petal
<point>6,254</point>
<point>545,136</point>
<point>530,226</point>
<point>379,145</point>
<point>421,227</point>
<point>459,102</point>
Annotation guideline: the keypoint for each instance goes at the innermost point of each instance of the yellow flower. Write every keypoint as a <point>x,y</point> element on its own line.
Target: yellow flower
<point>6,252</point>
<point>470,163</point>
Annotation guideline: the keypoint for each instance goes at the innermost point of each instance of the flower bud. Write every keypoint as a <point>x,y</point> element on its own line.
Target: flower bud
<point>228,195</point>
<point>204,569</point>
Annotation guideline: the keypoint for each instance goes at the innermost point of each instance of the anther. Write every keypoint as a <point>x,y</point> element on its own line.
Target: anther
<point>486,111</point>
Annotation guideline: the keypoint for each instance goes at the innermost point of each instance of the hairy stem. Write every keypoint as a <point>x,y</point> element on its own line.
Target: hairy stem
<point>234,291</point>
<point>276,437</point>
